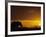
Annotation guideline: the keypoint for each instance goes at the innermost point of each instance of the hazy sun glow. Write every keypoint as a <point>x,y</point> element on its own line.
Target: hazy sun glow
<point>30,23</point>
<point>28,16</point>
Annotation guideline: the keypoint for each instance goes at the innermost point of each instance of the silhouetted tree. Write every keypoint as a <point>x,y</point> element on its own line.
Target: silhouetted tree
<point>15,25</point>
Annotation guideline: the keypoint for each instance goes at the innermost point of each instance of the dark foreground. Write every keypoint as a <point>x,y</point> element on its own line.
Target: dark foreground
<point>25,29</point>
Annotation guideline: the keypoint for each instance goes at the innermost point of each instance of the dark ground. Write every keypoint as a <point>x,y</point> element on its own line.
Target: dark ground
<point>25,29</point>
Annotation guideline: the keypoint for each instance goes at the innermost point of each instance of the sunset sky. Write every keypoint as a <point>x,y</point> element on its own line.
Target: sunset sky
<point>28,16</point>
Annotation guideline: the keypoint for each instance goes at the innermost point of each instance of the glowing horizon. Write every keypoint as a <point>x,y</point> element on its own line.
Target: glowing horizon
<point>28,16</point>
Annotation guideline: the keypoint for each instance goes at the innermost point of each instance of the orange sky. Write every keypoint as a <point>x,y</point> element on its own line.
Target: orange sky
<point>28,16</point>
